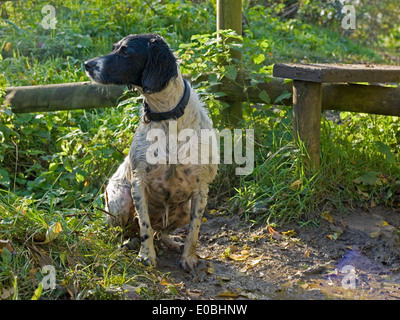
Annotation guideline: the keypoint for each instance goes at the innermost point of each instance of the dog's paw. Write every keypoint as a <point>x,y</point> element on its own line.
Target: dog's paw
<point>148,257</point>
<point>188,262</point>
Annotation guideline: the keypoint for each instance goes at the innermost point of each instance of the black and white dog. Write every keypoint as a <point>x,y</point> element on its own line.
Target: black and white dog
<point>161,196</point>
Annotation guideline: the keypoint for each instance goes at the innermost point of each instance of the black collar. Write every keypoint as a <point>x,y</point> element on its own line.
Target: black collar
<point>175,113</point>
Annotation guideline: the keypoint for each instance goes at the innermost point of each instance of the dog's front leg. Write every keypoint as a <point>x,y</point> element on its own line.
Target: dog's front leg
<point>147,254</point>
<point>198,204</point>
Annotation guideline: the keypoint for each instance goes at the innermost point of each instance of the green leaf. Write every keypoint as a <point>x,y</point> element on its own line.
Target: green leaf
<point>53,166</point>
<point>79,178</point>
<point>264,97</point>
<point>259,58</point>
<point>231,72</point>
<point>67,165</point>
<point>386,150</point>
<point>37,292</point>
<point>4,178</point>
<point>370,178</point>
<point>285,95</point>
<point>6,255</point>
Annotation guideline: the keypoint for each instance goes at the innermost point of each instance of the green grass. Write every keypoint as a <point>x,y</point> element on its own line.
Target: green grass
<point>53,166</point>
<point>86,255</point>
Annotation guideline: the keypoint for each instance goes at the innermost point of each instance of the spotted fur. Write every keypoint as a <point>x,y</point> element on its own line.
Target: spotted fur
<point>144,197</point>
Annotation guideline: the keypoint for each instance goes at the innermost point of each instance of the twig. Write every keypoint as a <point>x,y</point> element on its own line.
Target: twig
<point>106,212</point>
<point>83,218</point>
<point>119,151</point>
<point>86,213</point>
<point>16,163</point>
<point>151,7</point>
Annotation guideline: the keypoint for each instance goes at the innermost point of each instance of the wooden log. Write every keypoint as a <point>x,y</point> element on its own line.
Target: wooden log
<point>65,96</point>
<point>307,99</point>
<point>80,95</point>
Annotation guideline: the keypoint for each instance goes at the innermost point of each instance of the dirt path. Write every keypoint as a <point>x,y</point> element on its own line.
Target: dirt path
<point>347,256</point>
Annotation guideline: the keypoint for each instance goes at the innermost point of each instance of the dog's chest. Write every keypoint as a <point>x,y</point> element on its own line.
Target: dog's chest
<point>171,185</point>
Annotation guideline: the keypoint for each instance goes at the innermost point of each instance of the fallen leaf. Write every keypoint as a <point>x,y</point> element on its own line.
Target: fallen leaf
<point>284,245</point>
<point>223,278</point>
<point>6,244</point>
<point>210,270</point>
<point>206,257</point>
<point>296,185</point>
<point>333,236</point>
<point>374,234</point>
<point>52,233</point>
<point>248,295</point>
<point>6,293</point>
<point>275,234</point>
<point>244,268</point>
<point>228,294</point>
<point>289,233</point>
<point>256,261</point>
<point>382,223</point>
<point>327,217</point>
<point>229,251</point>
<point>238,257</point>
<point>7,47</point>
<point>303,285</point>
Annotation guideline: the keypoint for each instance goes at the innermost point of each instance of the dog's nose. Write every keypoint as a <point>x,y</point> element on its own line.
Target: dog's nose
<point>89,65</point>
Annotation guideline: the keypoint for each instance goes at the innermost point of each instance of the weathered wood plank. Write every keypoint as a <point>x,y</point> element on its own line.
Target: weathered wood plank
<point>329,73</point>
<point>343,97</point>
<point>307,98</point>
<point>65,96</point>
<point>361,98</point>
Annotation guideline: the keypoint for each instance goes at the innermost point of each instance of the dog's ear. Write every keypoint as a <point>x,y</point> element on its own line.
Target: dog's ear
<point>161,66</point>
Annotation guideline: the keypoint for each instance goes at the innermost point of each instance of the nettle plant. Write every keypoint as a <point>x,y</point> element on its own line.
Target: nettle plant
<point>208,58</point>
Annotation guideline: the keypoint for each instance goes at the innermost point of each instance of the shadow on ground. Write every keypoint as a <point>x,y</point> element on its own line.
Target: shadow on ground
<point>352,255</point>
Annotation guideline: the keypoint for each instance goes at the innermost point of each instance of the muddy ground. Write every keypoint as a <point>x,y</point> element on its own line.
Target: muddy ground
<point>340,255</point>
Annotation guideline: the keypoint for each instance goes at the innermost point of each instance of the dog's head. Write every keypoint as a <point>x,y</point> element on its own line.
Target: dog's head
<point>145,61</point>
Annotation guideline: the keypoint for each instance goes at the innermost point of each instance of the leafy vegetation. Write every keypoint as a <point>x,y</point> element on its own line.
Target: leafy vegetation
<point>53,166</point>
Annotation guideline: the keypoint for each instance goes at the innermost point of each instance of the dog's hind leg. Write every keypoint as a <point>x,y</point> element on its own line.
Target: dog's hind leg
<point>147,253</point>
<point>171,244</point>
<point>189,256</point>
<point>119,203</point>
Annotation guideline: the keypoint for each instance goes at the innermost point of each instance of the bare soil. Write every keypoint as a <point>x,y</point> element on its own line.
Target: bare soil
<point>340,255</point>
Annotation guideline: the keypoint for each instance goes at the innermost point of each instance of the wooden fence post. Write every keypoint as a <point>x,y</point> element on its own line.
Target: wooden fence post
<point>307,99</point>
<point>229,16</point>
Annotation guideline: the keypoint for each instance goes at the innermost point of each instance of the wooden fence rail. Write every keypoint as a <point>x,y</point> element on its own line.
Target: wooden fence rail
<point>83,95</point>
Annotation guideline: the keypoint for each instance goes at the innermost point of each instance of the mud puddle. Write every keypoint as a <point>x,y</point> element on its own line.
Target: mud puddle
<point>353,255</point>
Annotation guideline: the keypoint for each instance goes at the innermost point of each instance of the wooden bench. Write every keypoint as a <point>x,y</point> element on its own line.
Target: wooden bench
<point>307,94</point>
